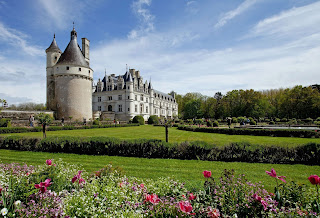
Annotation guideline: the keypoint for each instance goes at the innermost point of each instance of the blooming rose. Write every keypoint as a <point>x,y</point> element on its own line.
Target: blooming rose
<point>185,206</point>
<point>314,179</point>
<point>192,197</point>
<point>206,174</point>
<point>49,162</point>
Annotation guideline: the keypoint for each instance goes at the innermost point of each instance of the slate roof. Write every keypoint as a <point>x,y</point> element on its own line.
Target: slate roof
<point>72,54</point>
<point>54,46</point>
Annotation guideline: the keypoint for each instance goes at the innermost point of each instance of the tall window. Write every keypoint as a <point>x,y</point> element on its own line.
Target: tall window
<point>99,99</point>
<point>99,108</point>
<point>110,98</point>
<point>120,97</point>
<point>109,107</point>
<point>146,109</point>
<point>141,98</point>
<point>141,108</point>
<point>147,100</point>
<point>120,107</point>
<point>136,97</point>
<point>136,108</point>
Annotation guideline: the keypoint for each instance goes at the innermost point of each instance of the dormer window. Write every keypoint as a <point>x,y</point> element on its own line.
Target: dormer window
<point>55,57</point>
<point>79,68</point>
<point>67,68</point>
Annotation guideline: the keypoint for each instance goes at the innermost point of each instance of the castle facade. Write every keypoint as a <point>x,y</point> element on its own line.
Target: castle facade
<point>71,93</point>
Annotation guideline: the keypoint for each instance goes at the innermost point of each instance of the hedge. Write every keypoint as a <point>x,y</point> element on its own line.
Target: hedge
<point>240,152</point>
<point>254,132</point>
<point>58,128</point>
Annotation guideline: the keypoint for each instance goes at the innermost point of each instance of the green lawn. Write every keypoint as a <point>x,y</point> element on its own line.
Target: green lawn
<point>188,171</point>
<point>151,132</point>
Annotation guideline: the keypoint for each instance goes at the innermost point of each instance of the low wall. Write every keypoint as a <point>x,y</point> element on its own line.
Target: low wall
<point>21,115</point>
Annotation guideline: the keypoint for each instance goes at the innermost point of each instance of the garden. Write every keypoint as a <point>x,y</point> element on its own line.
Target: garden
<point>59,189</point>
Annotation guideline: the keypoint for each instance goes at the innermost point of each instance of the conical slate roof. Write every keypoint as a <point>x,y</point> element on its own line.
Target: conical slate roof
<point>53,47</point>
<point>73,55</point>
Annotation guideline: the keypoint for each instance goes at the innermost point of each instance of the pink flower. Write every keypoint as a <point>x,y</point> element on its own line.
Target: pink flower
<point>49,162</point>
<point>264,204</point>
<point>154,199</point>
<point>213,213</point>
<point>314,179</point>
<point>142,185</point>
<point>192,197</point>
<point>256,197</point>
<point>185,206</point>
<point>274,174</point>
<point>78,177</point>
<point>206,174</point>
<point>43,185</point>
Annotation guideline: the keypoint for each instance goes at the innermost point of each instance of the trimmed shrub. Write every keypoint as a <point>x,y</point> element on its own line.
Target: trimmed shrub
<point>271,123</point>
<point>138,119</point>
<point>4,122</point>
<point>234,120</point>
<point>198,121</point>
<point>96,122</point>
<point>209,123</point>
<point>153,119</point>
<point>240,152</point>
<point>215,123</point>
<point>255,132</point>
<point>284,120</point>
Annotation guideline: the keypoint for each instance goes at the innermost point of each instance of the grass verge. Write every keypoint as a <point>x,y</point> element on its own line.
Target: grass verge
<point>157,132</point>
<point>188,171</point>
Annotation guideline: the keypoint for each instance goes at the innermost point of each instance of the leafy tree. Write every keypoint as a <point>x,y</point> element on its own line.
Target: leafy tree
<point>138,119</point>
<point>192,109</point>
<point>44,120</point>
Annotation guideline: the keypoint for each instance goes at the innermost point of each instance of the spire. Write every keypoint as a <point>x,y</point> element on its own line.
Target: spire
<point>53,47</point>
<point>150,86</point>
<point>129,78</point>
<point>73,33</point>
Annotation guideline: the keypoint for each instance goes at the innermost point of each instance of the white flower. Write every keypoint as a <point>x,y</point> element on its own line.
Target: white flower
<point>17,203</point>
<point>4,211</point>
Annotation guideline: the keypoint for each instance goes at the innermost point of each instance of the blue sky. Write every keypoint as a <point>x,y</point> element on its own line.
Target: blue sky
<point>201,46</point>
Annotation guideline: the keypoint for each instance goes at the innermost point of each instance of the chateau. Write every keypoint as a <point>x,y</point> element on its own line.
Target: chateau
<point>71,92</point>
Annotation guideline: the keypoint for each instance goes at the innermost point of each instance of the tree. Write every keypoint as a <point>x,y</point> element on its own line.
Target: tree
<point>44,120</point>
<point>193,109</point>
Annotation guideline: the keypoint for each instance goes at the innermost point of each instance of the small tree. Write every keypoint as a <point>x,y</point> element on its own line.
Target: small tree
<point>138,119</point>
<point>70,119</point>
<point>153,119</point>
<point>44,120</point>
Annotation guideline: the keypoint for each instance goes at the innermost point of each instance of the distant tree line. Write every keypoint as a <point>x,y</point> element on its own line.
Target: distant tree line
<point>29,106</point>
<point>298,102</point>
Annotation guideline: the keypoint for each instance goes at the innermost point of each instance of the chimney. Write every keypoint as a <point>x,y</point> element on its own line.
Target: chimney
<point>85,49</point>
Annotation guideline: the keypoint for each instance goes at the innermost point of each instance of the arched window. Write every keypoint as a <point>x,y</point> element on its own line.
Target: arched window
<point>109,107</point>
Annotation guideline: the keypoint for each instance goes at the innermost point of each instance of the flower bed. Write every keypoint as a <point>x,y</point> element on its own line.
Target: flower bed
<point>58,189</point>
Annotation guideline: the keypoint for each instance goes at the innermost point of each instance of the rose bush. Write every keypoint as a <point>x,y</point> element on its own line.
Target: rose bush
<point>58,189</point>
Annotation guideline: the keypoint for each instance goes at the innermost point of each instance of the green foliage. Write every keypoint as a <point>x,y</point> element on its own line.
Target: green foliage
<point>138,119</point>
<point>271,123</point>
<point>257,132</point>
<point>44,119</point>
<point>153,119</point>
<point>215,123</point>
<point>96,122</point>
<point>198,121</point>
<point>209,123</point>
<point>4,122</point>
<point>244,152</point>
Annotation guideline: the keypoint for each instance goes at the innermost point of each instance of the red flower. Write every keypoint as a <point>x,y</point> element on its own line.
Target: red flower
<point>274,174</point>
<point>142,185</point>
<point>78,177</point>
<point>154,199</point>
<point>49,162</point>
<point>0,190</point>
<point>206,174</point>
<point>43,185</point>
<point>192,197</point>
<point>213,213</point>
<point>314,179</point>
<point>185,206</point>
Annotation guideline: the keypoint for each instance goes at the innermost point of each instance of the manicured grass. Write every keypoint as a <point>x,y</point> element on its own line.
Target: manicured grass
<point>188,171</point>
<point>156,132</point>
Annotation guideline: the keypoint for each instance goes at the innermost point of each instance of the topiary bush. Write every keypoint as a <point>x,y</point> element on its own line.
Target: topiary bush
<point>138,119</point>
<point>4,122</point>
<point>153,119</point>
<point>215,123</point>
<point>209,123</point>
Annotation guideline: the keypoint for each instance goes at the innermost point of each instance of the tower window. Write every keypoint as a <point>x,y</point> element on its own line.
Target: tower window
<point>120,97</point>
<point>79,68</point>
<point>67,68</point>
<point>99,99</point>
<point>136,108</point>
<point>99,108</point>
<point>55,57</point>
<point>110,98</point>
<point>120,107</point>
<point>128,97</point>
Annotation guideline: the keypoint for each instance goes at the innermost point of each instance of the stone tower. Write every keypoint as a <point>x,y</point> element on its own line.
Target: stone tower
<point>69,80</point>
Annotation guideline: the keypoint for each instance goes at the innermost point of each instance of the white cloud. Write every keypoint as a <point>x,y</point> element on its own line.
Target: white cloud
<point>60,13</point>
<point>236,12</point>
<point>146,25</point>
<point>295,22</point>
<point>18,40</point>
